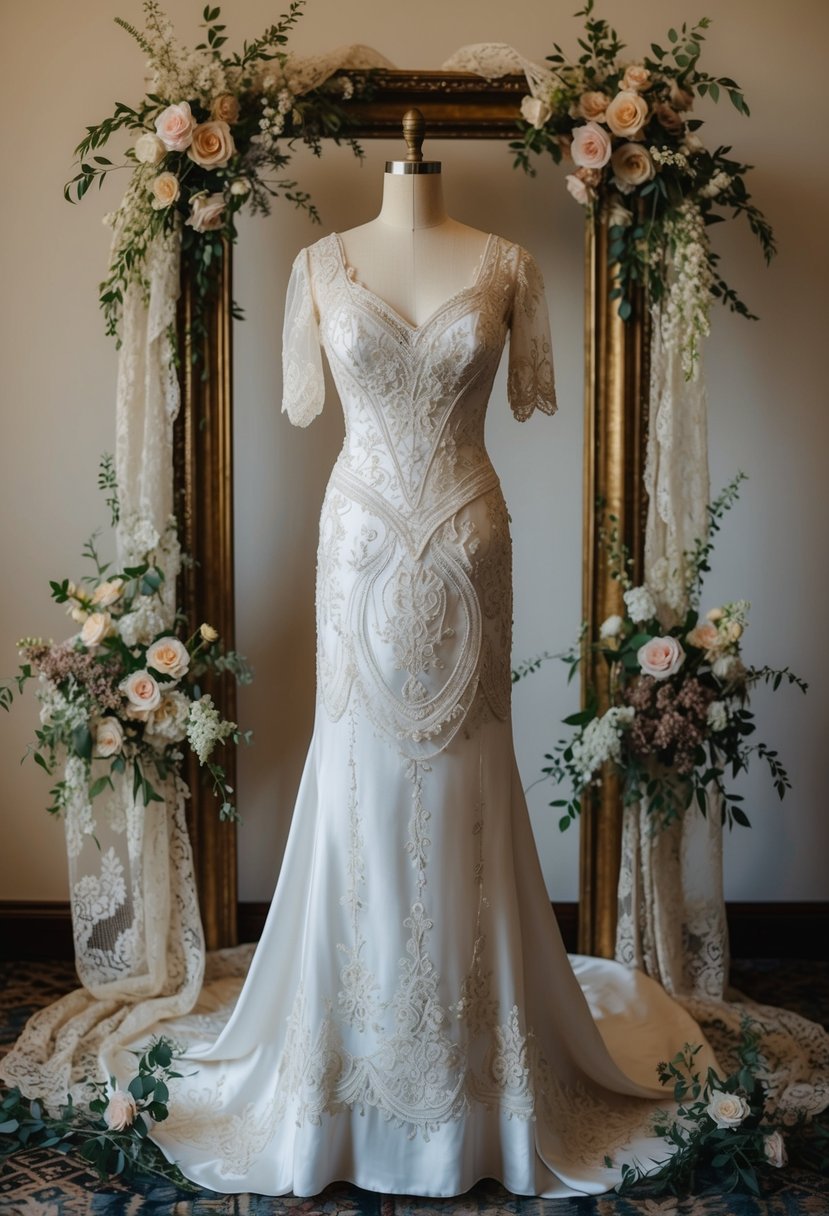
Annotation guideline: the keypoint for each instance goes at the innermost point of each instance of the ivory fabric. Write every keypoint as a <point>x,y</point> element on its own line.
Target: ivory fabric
<point>410,1021</point>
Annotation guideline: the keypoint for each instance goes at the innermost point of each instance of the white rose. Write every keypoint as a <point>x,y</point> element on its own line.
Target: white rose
<point>240,186</point>
<point>660,657</point>
<point>774,1150</point>
<point>535,111</point>
<point>206,212</point>
<point>149,149</point>
<point>109,737</point>
<point>632,166</point>
<point>142,692</point>
<point>578,189</point>
<point>610,628</point>
<point>208,633</point>
<point>165,190</point>
<point>107,594</point>
<point>120,1111</point>
<point>96,627</point>
<point>717,715</point>
<point>727,1110</point>
<point>168,656</point>
<point>175,125</point>
<point>212,145</point>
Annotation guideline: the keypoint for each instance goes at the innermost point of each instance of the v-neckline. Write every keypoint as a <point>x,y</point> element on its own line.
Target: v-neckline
<point>353,281</point>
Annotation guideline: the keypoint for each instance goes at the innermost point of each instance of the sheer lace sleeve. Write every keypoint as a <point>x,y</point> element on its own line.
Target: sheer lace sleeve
<point>303,383</point>
<point>530,380</point>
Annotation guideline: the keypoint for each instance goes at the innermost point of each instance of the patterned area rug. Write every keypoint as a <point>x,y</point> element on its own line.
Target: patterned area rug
<point>40,1183</point>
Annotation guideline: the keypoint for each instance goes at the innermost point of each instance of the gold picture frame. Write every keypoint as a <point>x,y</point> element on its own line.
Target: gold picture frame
<point>455,105</point>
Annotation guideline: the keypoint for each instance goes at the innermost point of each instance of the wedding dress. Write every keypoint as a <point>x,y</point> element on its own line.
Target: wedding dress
<point>410,1021</point>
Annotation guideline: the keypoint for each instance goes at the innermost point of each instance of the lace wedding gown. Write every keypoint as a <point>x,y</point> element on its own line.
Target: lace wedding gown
<point>410,1021</point>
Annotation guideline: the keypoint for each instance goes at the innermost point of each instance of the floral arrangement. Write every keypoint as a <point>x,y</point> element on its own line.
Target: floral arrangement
<point>628,131</point>
<point>677,715</point>
<point>111,1134</point>
<point>208,137</point>
<point>123,692</point>
<point>723,1132</point>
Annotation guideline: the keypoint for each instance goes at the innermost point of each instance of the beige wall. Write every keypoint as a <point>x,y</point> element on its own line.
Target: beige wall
<point>766,389</point>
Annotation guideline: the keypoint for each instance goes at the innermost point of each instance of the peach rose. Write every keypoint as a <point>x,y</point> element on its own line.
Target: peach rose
<point>637,78</point>
<point>142,692</point>
<point>96,627</point>
<point>660,657</point>
<point>120,1111</point>
<point>668,118</point>
<point>206,212</point>
<point>627,113</point>
<point>109,737</point>
<point>632,166</point>
<point>681,99</point>
<point>591,146</point>
<point>212,145</point>
<point>535,111</point>
<point>168,656</point>
<point>593,105</point>
<point>149,149</point>
<point>705,636</point>
<point>174,127</point>
<point>165,190</point>
<point>225,108</point>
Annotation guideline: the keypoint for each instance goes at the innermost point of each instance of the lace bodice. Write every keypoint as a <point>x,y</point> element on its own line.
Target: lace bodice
<point>413,591</point>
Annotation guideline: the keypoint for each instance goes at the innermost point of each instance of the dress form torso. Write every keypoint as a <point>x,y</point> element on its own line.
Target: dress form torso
<point>413,255</point>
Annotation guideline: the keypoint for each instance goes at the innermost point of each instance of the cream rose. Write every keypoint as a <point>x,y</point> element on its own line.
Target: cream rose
<point>692,145</point>
<point>734,631</point>
<point>727,1110</point>
<point>714,614</point>
<point>611,627</point>
<point>206,212</point>
<point>593,105</point>
<point>165,190</point>
<point>109,737</point>
<point>96,627</point>
<point>632,166</point>
<point>108,593</point>
<point>591,146</point>
<point>78,614</point>
<point>579,189</point>
<point>705,636</point>
<point>637,78</point>
<point>225,108</point>
<point>627,113</point>
<point>168,656</point>
<point>149,149</point>
<point>120,1111</point>
<point>142,692</point>
<point>212,145</point>
<point>535,111</point>
<point>240,186</point>
<point>660,657</point>
<point>208,633</point>
<point>174,126</point>
<point>669,118</point>
<point>169,721</point>
<point>618,215</point>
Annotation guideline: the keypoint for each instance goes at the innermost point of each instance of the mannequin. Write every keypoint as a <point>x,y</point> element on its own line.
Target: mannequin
<point>413,255</point>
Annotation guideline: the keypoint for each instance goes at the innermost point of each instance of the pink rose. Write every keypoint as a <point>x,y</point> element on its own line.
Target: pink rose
<point>660,657</point>
<point>592,105</point>
<point>591,146</point>
<point>632,166</point>
<point>120,1111</point>
<point>175,125</point>
<point>212,145</point>
<point>206,212</point>
<point>627,113</point>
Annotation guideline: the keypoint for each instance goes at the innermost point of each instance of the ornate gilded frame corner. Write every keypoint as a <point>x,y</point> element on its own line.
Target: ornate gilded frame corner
<point>456,105</point>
